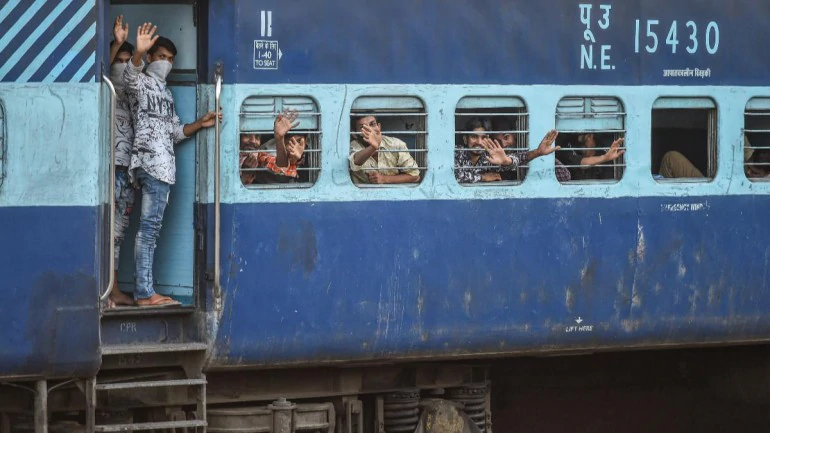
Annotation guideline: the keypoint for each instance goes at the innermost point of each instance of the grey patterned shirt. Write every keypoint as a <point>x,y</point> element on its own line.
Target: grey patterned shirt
<point>156,125</point>
<point>124,135</point>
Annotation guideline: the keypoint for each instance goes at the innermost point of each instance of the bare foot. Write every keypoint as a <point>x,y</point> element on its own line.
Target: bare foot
<point>118,298</point>
<point>156,300</point>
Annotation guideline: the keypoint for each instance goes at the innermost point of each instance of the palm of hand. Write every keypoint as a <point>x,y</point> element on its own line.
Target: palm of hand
<point>145,39</point>
<point>545,146</point>
<point>295,151</point>
<point>282,126</point>
<point>496,156</point>
<point>120,33</point>
<point>374,139</point>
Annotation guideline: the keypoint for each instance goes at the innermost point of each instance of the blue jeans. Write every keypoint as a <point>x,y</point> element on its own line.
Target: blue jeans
<point>154,201</point>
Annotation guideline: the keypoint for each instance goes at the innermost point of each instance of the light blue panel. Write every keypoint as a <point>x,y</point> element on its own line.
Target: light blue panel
<point>490,102</point>
<point>173,21</point>
<point>384,102</point>
<point>336,101</point>
<point>259,113</point>
<point>573,114</point>
<point>52,155</point>
<point>759,103</point>
<point>684,103</point>
<point>173,260</point>
<point>2,143</point>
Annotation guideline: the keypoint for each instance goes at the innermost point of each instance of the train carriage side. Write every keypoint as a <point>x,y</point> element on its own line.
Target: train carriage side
<point>329,271</point>
<point>50,214</point>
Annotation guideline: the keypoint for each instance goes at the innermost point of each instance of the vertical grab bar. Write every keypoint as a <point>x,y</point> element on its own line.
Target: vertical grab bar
<point>111,200</point>
<point>217,216</point>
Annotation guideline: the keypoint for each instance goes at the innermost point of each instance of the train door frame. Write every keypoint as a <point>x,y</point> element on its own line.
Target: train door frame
<point>178,259</point>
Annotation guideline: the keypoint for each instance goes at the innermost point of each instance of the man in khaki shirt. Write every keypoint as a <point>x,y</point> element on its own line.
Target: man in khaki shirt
<point>378,159</point>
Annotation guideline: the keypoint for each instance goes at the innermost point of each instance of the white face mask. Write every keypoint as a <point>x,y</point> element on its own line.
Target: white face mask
<point>159,70</point>
<point>117,70</point>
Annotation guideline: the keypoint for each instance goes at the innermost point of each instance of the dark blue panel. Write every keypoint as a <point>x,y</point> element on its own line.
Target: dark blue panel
<point>14,15</point>
<point>24,34</point>
<point>61,50</point>
<point>48,292</point>
<point>72,68</point>
<point>44,50</point>
<point>324,282</point>
<point>39,46</point>
<point>488,41</point>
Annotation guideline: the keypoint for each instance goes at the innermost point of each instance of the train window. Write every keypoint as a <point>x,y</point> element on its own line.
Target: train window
<point>497,118</point>
<point>588,127</point>
<point>401,159</point>
<point>757,139</point>
<point>257,146</point>
<point>684,139</point>
<point>2,143</point>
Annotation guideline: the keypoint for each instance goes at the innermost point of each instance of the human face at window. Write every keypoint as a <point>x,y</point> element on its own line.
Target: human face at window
<point>162,54</point>
<point>368,121</point>
<point>473,141</point>
<point>249,141</point>
<point>506,139</point>
<point>122,57</point>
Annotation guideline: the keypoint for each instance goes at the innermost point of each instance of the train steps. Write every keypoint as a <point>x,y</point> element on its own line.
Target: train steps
<point>179,422</point>
<point>151,358</point>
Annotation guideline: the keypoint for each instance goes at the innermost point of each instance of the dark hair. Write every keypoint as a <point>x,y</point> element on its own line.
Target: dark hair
<point>475,123</point>
<point>291,135</point>
<point>355,118</point>
<point>503,124</point>
<point>165,43</point>
<point>124,48</point>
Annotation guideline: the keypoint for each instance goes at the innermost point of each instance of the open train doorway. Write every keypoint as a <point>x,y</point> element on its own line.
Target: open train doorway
<point>174,258</point>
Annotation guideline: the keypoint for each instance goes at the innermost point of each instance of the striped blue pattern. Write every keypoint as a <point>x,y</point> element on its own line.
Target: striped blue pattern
<point>48,41</point>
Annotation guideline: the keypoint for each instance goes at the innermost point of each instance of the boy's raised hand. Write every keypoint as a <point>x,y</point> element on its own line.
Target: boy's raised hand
<point>146,37</point>
<point>120,32</point>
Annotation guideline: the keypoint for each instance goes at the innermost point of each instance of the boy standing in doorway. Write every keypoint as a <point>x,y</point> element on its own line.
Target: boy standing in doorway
<point>153,165</point>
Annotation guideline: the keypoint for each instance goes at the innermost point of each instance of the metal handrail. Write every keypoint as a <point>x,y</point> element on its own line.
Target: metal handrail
<point>217,216</point>
<point>111,181</point>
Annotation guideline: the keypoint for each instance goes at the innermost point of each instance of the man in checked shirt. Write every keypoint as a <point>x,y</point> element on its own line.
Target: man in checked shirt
<point>379,159</point>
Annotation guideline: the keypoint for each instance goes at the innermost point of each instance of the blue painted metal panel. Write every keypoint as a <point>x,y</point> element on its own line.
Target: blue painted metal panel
<point>52,144</point>
<point>48,292</point>
<point>324,282</point>
<point>486,41</point>
<point>48,41</point>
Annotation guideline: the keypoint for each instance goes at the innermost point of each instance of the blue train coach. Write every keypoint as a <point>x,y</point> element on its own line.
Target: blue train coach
<point>319,298</point>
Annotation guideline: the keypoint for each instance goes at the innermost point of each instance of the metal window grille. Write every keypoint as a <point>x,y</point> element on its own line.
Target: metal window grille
<point>258,115</point>
<point>2,143</point>
<point>401,117</point>
<point>602,117</point>
<point>687,126</point>
<point>495,108</point>
<point>757,134</point>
